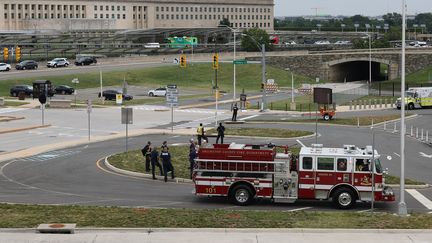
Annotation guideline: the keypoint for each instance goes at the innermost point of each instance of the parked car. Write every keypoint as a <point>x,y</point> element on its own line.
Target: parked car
<point>157,92</point>
<point>28,64</point>
<point>64,89</point>
<point>322,42</point>
<point>4,67</point>
<point>27,89</point>
<point>85,61</point>
<point>342,42</point>
<point>58,62</point>
<point>111,95</point>
<point>289,43</point>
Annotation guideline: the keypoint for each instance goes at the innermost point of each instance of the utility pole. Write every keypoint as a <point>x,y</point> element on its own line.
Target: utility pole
<point>264,81</point>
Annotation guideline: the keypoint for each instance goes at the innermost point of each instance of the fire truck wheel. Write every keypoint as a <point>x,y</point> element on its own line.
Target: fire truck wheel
<point>344,198</point>
<point>327,117</point>
<point>241,195</point>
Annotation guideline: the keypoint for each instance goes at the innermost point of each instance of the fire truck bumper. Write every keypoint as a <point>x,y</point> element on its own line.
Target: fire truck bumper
<point>387,195</point>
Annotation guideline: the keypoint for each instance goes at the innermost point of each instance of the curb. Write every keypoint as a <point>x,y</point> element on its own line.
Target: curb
<point>138,174</point>
<point>22,129</point>
<point>11,118</point>
<point>410,186</point>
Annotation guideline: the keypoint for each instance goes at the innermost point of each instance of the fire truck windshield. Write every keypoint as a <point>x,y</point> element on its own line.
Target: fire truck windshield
<point>378,166</point>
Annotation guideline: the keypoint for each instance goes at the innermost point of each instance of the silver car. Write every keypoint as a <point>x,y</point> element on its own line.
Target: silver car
<point>58,62</point>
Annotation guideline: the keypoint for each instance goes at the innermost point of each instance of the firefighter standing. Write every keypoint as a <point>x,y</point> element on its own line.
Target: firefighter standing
<point>221,133</point>
<point>200,133</point>
<point>235,110</point>
<point>155,162</point>
<point>167,165</point>
<point>146,151</point>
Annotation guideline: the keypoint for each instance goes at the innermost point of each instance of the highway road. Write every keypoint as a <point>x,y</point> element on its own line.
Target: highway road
<point>74,176</point>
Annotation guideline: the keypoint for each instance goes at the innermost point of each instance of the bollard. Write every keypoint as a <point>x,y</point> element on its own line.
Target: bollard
<point>380,103</point>
<point>372,123</point>
<point>370,104</point>
<point>394,129</point>
<point>286,106</point>
<point>385,103</point>
<point>427,136</point>
<point>355,105</point>
<point>417,133</point>
<point>375,103</point>
<point>271,105</point>
<point>350,105</point>
<point>358,122</point>
<point>259,105</point>
<point>412,131</point>
<point>385,125</point>
<point>422,134</point>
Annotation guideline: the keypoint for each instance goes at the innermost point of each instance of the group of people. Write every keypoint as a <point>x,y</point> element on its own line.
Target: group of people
<point>201,134</point>
<point>153,158</point>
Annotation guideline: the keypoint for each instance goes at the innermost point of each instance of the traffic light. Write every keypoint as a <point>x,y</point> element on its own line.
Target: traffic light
<point>5,54</point>
<point>17,54</point>
<point>215,61</point>
<point>183,61</point>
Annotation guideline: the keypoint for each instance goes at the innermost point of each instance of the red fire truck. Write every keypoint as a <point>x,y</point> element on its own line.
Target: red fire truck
<point>244,172</point>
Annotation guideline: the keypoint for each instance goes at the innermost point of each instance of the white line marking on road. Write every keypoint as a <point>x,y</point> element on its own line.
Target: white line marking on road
<point>426,155</point>
<point>398,155</point>
<point>249,117</point>
<point>298,209</point>
<point>430,212</point>
<point>419,197</point>
<point>177,136</point>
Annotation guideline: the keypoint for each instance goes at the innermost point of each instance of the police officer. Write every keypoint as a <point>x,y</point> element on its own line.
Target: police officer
<point>166,163</point>
<point>221,133</point>
<point>155,162</point>
<point>192,156</point>
<point>235,110</point>
<point>164,145</point>
<point>146,151</point>
<point>200,133</point>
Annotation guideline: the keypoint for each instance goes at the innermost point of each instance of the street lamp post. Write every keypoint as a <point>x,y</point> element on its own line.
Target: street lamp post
<point>402,207</point>
<point>263,63</point>
<point>235,31</point>
<point>370,60</point>
<point>356,27</point>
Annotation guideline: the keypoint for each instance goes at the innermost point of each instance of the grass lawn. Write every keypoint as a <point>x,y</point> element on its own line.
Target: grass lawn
<point>27,216</point>
<point>144,101</point>
<point>15,103</point>
<point>196,76</point>
<point>364,120</point>
<point>303,103</point>
<point>389,179</point>
<point>262,132</point>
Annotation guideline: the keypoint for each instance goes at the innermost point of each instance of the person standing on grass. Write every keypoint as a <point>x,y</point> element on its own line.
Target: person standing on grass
<point>164,145</point>
<point>155,162</point>
<point>192,156</point>
<point>221,133</point>
<point>146,151</point>
<point>200,133</point>
<point>166,163</point>
<point>235,110</point>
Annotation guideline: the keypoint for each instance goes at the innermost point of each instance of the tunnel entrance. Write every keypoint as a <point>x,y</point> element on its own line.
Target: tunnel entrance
<point>358,71</point>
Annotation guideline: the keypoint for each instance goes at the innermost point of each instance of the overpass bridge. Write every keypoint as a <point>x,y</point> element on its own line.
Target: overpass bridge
<point>352,65</point>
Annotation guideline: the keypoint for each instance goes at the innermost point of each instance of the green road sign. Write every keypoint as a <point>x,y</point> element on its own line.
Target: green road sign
<point>242,61</point>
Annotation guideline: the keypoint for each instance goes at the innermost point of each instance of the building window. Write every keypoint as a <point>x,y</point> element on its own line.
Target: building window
<point>107,16</point>
<point>157,9</point>
<point>95,8</point>
<point>83,7</point>
<point>157,16</point>
<point>5,15</point>
<point>134,16</point>
<point>107,8</point>
<point>77,16</point>
<point>12,15</point>
<point>100,8</point>
<point>101,16</point>
<point>70,7</point>
<point>124,16</point>
<point>113,16</point>
<point>112,8</point>
<point>181,9</point>
<point>58,16</point>
<point>118,16</point>
<point>118,8</point>
<point>124,8</point>
<point>177,9</point>
<point>26,6</point>
<point>77,7</point>
<point>95,16</point>
<point>6,6</point>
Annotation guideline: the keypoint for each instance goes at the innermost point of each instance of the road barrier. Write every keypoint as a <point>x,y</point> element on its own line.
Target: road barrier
<point>370,104</point>
<point>2,101</point>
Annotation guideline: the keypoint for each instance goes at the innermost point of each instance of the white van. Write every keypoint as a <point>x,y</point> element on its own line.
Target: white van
<point>152,45</point>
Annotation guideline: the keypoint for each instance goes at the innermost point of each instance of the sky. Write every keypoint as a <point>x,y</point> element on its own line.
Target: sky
<point>348,7</point>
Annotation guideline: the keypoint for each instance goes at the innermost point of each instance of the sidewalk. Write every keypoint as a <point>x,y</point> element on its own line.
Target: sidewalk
<point>220,236</point>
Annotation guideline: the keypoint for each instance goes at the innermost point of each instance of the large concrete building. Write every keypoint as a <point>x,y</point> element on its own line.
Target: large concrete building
<point>133,14</point>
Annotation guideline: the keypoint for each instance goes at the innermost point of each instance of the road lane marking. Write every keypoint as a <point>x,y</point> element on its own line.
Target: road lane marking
<point>398,155</point>
<point>298,209</point>
<point>426,155</point>
<point>430,212</point>
<point>249,117</point>
<point>419,197</point>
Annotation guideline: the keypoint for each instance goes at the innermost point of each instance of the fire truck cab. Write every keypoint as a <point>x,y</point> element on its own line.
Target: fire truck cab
<point>244,172</point>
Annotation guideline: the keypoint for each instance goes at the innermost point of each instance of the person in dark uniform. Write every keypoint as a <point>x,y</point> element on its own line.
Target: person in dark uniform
<point>164,145</point>
<point>192,156</point>
<point>167,165</point>
<point>155,162</point>
<point>146,154</point>
<point>235,110</point>
<point>221,133</point>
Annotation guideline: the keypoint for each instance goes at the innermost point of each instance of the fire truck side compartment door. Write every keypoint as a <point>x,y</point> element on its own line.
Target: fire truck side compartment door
<point>306,178</point>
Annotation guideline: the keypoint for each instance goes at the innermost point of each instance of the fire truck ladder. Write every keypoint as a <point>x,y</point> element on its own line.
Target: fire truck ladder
<point>239,166</point>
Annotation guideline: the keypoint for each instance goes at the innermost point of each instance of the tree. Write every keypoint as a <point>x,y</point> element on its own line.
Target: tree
<point>253,37</point>
<point>224,22</point>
